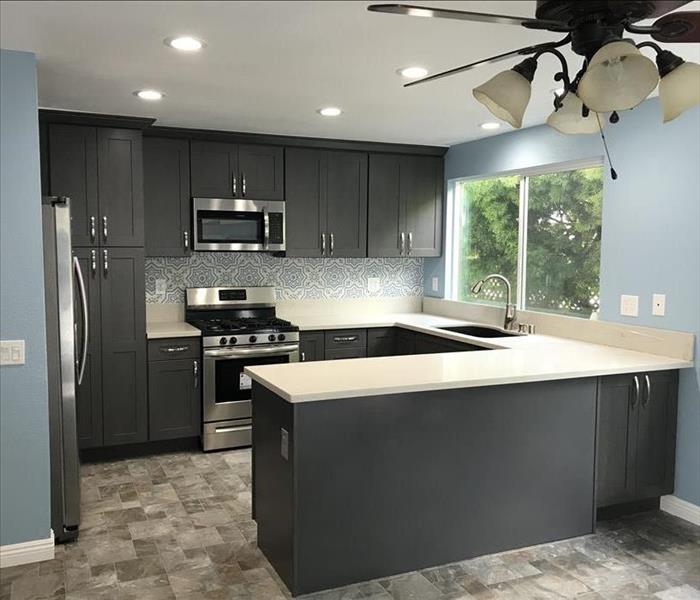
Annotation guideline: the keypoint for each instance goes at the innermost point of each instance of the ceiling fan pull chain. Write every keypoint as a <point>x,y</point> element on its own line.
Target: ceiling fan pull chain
<point>613,172</point>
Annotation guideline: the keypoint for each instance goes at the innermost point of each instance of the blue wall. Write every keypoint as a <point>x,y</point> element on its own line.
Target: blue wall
<point>24,428</point>
<point>651,230</point>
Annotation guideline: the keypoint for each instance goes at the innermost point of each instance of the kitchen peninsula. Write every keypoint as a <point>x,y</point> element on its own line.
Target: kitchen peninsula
<point>370,467</point>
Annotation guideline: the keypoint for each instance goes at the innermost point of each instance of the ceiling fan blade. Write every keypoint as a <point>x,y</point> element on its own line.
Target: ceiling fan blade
<point>681,27</point>
<point>661,7</point>
<point>463,15</point>
<point>492,59</point>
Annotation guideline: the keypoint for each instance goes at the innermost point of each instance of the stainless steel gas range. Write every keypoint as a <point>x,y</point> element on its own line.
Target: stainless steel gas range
<point>239,329</point>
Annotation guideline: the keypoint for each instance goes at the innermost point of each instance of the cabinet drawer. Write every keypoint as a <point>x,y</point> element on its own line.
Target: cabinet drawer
<point>339,353</point>
<point>173,348</point>
<point>346,338</point>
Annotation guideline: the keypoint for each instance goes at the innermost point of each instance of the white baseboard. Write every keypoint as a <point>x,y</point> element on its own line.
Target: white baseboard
<point>27,552</point>
<point>681,508</point>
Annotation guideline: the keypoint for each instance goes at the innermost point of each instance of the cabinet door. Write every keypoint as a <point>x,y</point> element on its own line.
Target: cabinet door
<point>305,190</point>
<point>173,398</point>
<point>384,214</point>
<point>421,198</point>
<point>618,403</point>
<point>311,346</point>
<point>123,346</point>
<point>120,187</point>
<point>656,434</point>
<point>166,185</point>
<point>347,204</point>
<point>214,170</point>
<point>405,342</point>
<point>381,342</point>
<point>261,170</point>
<point>88,394</point>
<point>72,152</point>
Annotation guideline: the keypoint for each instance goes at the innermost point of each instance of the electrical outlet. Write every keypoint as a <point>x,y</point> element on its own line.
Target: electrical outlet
<point>161,287</point>
<point>629,305</point>
<point>12,352</point>
<point>436,284</point>
<point>373,284</point>
<point>658,305</point>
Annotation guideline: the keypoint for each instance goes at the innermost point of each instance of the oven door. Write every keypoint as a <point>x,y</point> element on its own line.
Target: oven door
<point>226,388</point>
<point>237,225</point>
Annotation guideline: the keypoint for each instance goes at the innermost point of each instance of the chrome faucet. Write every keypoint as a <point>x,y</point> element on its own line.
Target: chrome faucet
<point>509,319</point>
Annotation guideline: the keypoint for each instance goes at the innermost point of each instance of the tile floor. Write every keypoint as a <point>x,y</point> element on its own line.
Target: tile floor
<point>178,526</point>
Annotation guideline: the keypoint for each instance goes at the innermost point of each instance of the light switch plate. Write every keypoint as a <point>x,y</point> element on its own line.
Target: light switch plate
<point>658,305</point>
<point>629,305</point>
<point>12,352</point>
<point>373,284</point>
<point>436,284</point>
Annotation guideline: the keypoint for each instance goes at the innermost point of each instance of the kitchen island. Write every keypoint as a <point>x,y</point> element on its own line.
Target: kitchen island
<point>370,467</point>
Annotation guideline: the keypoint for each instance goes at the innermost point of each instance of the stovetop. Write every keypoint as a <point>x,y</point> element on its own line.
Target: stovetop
<point>242,325</point>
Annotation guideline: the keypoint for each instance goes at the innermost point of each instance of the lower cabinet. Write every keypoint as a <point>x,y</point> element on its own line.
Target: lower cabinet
<point>311,346</point>
<point>382,341</point>
<point>174,397</point>
<point>636,436</point>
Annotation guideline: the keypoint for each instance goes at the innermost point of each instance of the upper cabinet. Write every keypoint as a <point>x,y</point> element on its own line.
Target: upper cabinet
<point>166,184</point>
<point>326,194</point>
<point>223,170</point>
<point>405,205</point>
<point>101,171</point>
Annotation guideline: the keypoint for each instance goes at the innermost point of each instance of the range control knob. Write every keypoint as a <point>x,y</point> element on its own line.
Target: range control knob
<point>233,340</point>
<point>252,339</point>
<point>222,341</point>
<point>271,337</point>
<point>281,337</point>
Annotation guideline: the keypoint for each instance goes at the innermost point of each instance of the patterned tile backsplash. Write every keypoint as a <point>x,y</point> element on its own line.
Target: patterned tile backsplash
<point>294,278</point>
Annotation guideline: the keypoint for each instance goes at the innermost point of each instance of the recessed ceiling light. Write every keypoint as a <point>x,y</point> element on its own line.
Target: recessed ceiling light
<point>412,72</point>
<point>490,125</point>
<point>329,111</point>
<point>186,43</point>
<point>149,94</point>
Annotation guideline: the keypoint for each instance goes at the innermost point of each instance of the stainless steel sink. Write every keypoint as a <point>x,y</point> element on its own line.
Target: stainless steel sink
<point>481,331</point>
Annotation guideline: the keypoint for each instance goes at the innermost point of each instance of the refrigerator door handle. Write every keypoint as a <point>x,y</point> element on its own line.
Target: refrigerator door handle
<point>84,310</point>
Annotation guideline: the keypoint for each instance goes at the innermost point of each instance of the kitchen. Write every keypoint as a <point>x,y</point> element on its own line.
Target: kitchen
<point>255,304</point>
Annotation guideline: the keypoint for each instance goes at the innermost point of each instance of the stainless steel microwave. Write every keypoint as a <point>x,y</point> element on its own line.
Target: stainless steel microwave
<point>222,224</point>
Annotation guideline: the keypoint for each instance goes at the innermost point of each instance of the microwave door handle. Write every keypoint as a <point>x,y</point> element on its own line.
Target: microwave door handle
<point>266,228</point>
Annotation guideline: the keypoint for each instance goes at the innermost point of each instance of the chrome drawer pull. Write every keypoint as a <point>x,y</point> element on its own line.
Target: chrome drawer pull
<point>345,338</point>
<point>229,429</point>
<point>174,348</point>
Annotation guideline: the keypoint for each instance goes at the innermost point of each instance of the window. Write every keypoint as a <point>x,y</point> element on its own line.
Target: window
<point>542,231</point>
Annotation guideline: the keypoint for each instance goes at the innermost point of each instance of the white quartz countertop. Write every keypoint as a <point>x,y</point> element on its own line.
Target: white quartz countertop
<point>518,359</point>
<point>170,329</point>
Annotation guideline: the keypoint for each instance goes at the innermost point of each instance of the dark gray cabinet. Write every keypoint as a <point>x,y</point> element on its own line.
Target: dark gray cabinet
<point>311,346</point>
<point>123,316</point>
<point>636,436</point>
<point>326,193</point>
<point>166,185</point>
<point>405,205</point>
<point>174,398</point>
<point>382,341</point>
<point>101,170</point>
<point>223,170</point>
<point>345,343</point>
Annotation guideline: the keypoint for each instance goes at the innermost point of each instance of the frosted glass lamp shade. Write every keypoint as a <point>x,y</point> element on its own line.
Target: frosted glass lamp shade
<point>506,95</point>
<point>679,90</point>
<point>618,77</point>
<point>568,118</point>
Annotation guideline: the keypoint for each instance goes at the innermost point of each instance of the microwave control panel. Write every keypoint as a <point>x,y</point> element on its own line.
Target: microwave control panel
<point>276,228</point>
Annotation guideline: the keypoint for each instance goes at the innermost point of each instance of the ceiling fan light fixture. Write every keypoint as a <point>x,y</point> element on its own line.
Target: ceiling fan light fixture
<point>507,94</point>
<point>569,119</point>
<point>618,77</point>
<point>679,88</point>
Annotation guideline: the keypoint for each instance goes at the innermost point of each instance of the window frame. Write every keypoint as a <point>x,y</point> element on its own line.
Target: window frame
<point>452,242</point>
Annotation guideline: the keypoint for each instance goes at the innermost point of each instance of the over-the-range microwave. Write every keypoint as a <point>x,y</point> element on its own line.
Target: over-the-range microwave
<point>222,224</point>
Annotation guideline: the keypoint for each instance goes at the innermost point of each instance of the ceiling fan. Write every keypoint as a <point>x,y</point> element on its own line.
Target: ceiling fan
<point>614,74</point>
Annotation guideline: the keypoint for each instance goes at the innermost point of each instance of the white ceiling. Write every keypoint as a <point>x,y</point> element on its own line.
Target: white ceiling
<point>269,65</point>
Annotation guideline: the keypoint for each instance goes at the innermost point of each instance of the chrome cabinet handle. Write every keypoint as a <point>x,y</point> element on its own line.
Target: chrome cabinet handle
<point>104,228</point>
<point>266,226</point>
<point>234,180</point>
<point>410,243</point>
<point>105,262</point>
<point>332,244</point>
<point>323,244</point>
<point>303,356</point>
<point>171,349</point>
<point>345,338</point>
<point>93,228</point>
<point>186,236</point>
<point>195,372</point>
<point>648,394</point>
<point>84,309</point>
<point>243,184</point>
<point>402,248</point>
<point>635,396</point>
<point>93,261</point>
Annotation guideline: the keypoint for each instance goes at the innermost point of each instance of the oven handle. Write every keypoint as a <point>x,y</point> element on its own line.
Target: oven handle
<point>225,353</point>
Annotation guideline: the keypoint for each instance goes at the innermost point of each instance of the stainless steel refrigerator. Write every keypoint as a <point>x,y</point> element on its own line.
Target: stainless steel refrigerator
<point>66,363</point>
